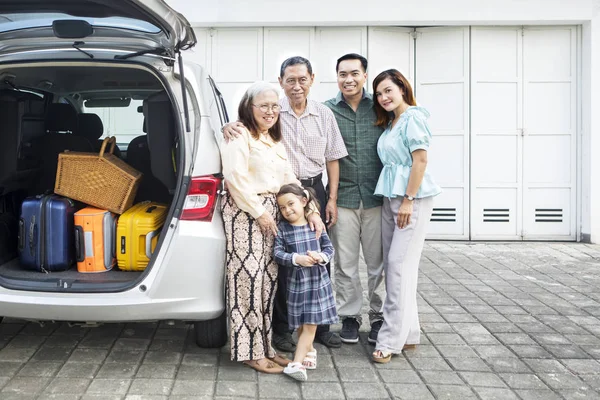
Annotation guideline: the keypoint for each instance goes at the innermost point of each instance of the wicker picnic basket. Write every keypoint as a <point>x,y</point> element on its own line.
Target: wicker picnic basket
<point>101,180</point>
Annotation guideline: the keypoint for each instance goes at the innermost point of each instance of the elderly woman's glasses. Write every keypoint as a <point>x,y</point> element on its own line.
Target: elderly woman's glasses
<point>268,107</point>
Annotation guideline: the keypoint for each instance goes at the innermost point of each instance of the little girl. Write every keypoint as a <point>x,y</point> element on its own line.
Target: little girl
<point>310,297</point>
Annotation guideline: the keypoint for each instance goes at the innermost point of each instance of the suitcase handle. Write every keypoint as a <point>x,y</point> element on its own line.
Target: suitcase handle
<point>32,236</point>
<point>79,244</point>
<point>149,238</point>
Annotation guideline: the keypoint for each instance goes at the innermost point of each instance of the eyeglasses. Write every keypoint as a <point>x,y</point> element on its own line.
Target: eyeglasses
<point>268,107</point>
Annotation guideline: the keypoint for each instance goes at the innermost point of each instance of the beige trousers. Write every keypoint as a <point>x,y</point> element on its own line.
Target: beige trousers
<point>402,250</point>
<point>356,228</point>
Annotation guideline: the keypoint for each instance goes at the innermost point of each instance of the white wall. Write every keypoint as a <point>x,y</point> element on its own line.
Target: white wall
<point>239,13</point>
<point>382,12</point>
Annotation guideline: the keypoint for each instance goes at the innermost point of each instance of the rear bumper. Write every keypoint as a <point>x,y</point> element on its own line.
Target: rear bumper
<point>186,282</point>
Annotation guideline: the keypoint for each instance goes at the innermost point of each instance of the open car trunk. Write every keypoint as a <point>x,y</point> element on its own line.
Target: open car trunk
<point>43,112</point>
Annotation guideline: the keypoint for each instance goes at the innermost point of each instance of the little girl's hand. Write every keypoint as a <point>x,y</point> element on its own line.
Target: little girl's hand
<point>315,256</point>
<point>305,261</point>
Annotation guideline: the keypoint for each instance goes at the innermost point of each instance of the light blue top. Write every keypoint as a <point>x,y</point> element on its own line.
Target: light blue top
<point>395,146</point>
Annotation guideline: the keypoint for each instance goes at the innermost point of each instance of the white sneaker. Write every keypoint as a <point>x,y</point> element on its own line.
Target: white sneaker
<point>296,370</point>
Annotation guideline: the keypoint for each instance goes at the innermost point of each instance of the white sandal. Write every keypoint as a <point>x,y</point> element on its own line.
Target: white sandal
<point>310,361</point>
<point>296,371</point>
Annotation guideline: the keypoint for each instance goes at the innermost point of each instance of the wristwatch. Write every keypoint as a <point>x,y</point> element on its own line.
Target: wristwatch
<point>409,198</point>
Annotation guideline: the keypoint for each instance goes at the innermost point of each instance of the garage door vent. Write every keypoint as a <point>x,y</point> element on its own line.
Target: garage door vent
<point>496,215</point>
<point>548,215</point>
<point>443,215</point>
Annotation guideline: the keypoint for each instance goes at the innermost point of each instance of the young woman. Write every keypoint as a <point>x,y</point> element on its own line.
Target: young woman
<point>310,298</point>
<point>407,191</point>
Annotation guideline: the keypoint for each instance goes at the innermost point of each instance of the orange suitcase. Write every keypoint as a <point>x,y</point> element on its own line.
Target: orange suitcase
<point>95,240</point>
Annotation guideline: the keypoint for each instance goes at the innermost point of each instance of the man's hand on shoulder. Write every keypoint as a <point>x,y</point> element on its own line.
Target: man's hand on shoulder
<point>232,130</point>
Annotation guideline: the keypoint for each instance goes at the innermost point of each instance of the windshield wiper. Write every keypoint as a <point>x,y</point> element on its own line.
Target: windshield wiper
<point>76,46</point>
<point>158,50</point>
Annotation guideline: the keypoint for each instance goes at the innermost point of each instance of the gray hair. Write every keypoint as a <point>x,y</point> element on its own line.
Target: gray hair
<point>260,87</point>
<point>296,60</point>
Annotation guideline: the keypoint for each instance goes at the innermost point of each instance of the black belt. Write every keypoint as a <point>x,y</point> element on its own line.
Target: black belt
<point>311,181</point>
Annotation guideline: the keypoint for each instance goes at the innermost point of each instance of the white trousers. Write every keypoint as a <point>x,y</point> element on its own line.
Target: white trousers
<point>356,228</point>
<point>402,250</point>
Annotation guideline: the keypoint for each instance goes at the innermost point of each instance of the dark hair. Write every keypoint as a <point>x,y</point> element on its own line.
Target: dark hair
<point>246,114</point>
<point>384,117</point>
<point>297,190</point>
<point>296,60</point>
<point>352,56</point>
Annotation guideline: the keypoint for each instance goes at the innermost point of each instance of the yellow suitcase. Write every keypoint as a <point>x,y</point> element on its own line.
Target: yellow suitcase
<point>137,234</point>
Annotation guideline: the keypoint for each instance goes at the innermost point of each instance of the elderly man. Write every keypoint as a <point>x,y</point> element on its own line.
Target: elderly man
<point>313,143</point>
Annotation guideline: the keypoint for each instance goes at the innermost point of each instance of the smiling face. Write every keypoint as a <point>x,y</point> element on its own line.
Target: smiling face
<point>296,83</point>
<point>265,120</point>
<point>389,95</point>
<point>292,208</point>
<point>351,78</point>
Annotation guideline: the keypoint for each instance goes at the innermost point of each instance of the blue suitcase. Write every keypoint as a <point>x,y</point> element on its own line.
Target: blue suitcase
<point>46,233</point>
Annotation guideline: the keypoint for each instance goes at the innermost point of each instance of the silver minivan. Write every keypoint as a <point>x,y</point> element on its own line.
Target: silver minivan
<point>73,72</point>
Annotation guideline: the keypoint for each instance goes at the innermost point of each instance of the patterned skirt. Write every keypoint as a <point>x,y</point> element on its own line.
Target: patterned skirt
<point>310,297</point>
<point>251,281</point>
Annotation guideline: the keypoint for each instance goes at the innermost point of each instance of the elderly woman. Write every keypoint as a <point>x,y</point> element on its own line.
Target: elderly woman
<point>255,166</point>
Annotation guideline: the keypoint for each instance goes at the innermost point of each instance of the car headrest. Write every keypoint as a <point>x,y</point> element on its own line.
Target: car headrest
<point>89,126</point>
<point>61,117</point>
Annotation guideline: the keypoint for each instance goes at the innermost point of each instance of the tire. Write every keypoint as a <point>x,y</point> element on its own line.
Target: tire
<point>211,333</point>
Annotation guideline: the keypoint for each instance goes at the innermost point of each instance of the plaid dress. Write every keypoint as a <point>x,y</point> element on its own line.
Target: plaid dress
<point>310,296</point>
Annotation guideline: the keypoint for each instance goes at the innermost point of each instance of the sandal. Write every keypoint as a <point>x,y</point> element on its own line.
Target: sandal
<point>268,367</point>
<point>297,371</point>
<point>310,361</point>
<point>281,360</point>
<point>381,357</point>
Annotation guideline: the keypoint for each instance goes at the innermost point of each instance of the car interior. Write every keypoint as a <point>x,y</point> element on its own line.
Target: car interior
<point>48,109</point>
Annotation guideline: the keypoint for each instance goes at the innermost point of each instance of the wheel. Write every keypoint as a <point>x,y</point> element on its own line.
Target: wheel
<point>211,333</point>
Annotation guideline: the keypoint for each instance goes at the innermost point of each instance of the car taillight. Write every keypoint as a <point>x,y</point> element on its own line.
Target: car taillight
<point>201,199</point>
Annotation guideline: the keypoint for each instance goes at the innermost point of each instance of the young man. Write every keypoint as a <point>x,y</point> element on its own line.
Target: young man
<point>359,211</point>
<point>313,143</point>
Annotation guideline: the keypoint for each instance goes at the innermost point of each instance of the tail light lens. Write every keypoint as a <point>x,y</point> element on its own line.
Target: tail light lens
<point>201,199</point>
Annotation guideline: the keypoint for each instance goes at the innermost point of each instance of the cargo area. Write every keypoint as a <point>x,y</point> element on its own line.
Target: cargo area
<point>46,110</point>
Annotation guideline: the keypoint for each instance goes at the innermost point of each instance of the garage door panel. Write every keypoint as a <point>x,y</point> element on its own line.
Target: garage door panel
<point>442,46</point>
<point>495,211</point>
<point>446,103</point>
<point>547,214</point>
<point>495,160</point>
<point>497,51</point>
<point>390,47</point>
<point>448,168</point>
<point>324,91</point>
<point>334,43</point>
<point>232,94</point>
<point>200,53</point>
<point>447,210</point>
<point>283,43</point>
<point>549,52</point>
<point>548,159</point>
<point>495,107</point>
<point>545,104</point>
<point>234,47</point>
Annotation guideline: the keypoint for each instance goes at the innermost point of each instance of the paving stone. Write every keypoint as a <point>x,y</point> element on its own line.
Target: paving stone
<point>468,364</point>
<point>40,369</point>
<point>24,385</point>
<point>78,370</point>
<point>567,351</point>
<point>530,351</point>
<point>143,386</point>
<point>582,367</point>
<point>515,338</point>
<point>509,365</point>
<point>452,392</point>
<point>430,364</point>
<point>357,375</point>
<point>192,388</point>
<point>61,386</point>
<point>201,359</point>
<point>560,381</point>
<point>487,393</point>
<point>237,388</point>
<point>278,387</point>
<point>52,354</point>
<point>157,371</point>
<point>162,357</point>
<point>486,379</point>
<point>579,394</point>
<point>109,386</point>
<point>456,351</point>
<point>399,376</point>
<point>538,395</point>
<point>85,355</point>
<point>523,381</point>
<point>125,356</point>
<point>319,390</point>
<point>364,391</point>
<point>441,378</point>
<point>16,354</point>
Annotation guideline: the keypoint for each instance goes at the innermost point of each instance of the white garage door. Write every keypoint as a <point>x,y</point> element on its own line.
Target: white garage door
<point>505,160</point>
<point>523,133</point>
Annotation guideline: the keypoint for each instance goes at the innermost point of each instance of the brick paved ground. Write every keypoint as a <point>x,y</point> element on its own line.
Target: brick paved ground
<point>500,321</point>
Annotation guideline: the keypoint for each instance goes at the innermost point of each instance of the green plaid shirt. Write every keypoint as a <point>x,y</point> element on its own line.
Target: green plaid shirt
<point>360,169</point>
